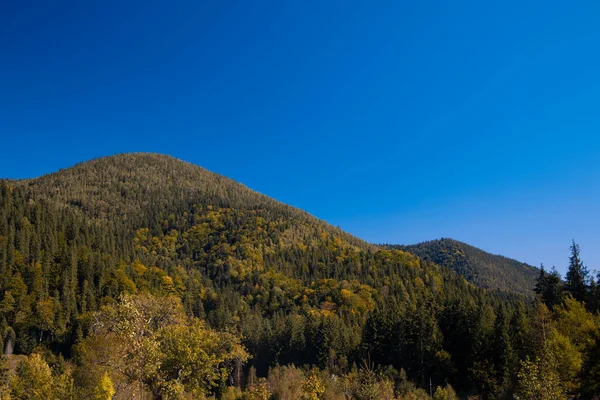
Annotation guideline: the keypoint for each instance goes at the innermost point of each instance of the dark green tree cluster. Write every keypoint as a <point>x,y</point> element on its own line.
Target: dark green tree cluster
<point>578,284</point>
<point>483,269</point>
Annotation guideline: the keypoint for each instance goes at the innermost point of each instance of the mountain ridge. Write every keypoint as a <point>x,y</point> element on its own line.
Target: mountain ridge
<point>143,178</point>
<point>476,265</point>
<point>162,180</point>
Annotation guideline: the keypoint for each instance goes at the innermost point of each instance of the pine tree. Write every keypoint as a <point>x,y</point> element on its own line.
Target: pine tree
<point>549,287</point>
<point>554,291</point>
<point>501,349</point>
<point>577,275</point>
<point>594,305</point>
<point>541,283</point>
<point>33,380</point>
<point>519,331</point>
<point>590,385</point>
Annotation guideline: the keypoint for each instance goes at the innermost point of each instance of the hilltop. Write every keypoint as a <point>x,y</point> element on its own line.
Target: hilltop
<point>486,270</point>
<point>145,188</point>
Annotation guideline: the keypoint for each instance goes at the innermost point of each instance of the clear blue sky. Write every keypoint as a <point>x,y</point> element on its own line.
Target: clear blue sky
<point>398,121</point>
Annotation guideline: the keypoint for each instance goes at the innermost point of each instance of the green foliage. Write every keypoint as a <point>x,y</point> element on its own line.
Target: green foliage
<point>5,379</point>
<point>197,357</point>
<point>366,384</point>
<point>538,379</point>
<point>487,270</point>
<point>577,275</point>
<point>445,393</point>
<point>549,287</point>
<point>313,388</point>
<point>590,372</point>
<point>34,380</point>
<point>572,340</point>
<point>258,391</point>
<point>149,341</point>
<point>287,382</point>
<point>157,278</point>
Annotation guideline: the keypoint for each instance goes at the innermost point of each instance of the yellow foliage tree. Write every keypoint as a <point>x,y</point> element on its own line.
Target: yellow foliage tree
<point>313,388</point>
<point>538,379</point>
<point>258,391</point>
<point>105,389</point>
<point>149,342</point>
<point>33,380</point>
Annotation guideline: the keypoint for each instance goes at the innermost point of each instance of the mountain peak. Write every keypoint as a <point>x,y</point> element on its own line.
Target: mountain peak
<point>129,183</point>
<point>142,186</point>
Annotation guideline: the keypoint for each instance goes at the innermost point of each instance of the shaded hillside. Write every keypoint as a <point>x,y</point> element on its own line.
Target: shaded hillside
<point>487,270</point>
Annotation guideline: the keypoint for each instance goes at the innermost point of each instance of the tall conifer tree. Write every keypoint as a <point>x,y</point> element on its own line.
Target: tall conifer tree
<point>577,275</point>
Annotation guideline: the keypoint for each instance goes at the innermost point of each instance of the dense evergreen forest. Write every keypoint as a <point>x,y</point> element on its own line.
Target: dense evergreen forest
<point>140,276</point>
<point>483,269</point>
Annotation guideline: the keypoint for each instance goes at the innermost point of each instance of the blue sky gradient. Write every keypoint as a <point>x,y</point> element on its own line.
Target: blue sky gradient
<point>398,121</point>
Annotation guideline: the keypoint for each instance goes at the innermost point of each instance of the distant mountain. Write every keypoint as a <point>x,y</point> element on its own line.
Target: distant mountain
<point>486,270</point>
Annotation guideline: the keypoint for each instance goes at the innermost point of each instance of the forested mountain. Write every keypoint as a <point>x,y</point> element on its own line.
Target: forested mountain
<point>486,270</point>
<point>142,276</point>
<point>143,189</point>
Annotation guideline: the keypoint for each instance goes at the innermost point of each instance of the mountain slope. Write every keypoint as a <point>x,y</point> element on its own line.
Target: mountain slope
<point>294,289</point>
<point>145,188</point>
<point>486,270</point>
<point>128,185</point>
